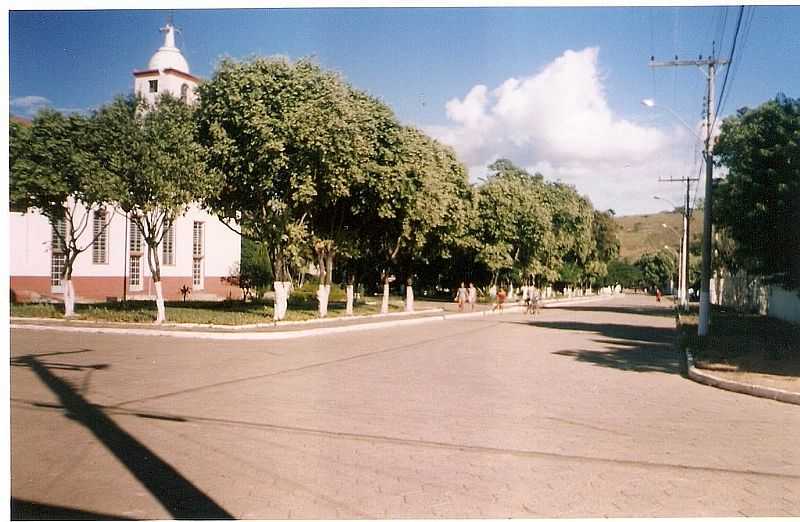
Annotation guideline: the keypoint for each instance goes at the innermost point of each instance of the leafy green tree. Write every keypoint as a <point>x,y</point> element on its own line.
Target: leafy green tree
<point>605,247</point>
<point>658,268</point>
<point>255,271</point>
<point>572,227</point>
<point>514,224</point>
<point>758,202</point>
<point>248,120</point>
<point>421,196</point>
<point>152,154</point>
<point>623,273</point>
<point>298,150</point>
<point>604,232</point>
<point>53,170</point>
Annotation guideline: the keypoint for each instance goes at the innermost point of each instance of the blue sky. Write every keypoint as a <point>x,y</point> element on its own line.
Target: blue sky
<point>425,62</point>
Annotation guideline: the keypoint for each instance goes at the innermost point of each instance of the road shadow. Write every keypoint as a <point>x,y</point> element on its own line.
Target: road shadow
<point>623,346</point>
<point>28,510</point>
<point>175,492</point>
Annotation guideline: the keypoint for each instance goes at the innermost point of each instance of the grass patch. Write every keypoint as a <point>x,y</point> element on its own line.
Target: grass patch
<point>198,312</point>
<point>745,343</point>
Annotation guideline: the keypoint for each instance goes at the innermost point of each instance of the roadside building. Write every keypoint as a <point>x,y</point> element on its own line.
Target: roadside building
<point>198,252</point>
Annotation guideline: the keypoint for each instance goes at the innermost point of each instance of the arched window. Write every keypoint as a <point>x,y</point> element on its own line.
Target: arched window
<point>184,92</point>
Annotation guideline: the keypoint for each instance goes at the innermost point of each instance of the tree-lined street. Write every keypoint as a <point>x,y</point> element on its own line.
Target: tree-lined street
<point>578,412</point>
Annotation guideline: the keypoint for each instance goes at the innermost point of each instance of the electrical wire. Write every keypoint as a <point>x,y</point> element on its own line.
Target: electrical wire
<point>723,92</point>
<point>745,33</point>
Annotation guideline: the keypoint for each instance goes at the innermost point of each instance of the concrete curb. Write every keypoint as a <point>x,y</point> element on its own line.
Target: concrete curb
<point>255,336</point>
<point>739,387</point>
<point>293,334</point>
<point>236,327</point>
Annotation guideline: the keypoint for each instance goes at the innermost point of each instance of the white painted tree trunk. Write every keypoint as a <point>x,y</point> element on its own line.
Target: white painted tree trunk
<point>69,298</point>
<point>385,301</point>
<point>281,299</point>
<point>323,291</point>
<point>349,306</point>
<point>511,295</point>
<point>409,298</point>
<point>162,316</point>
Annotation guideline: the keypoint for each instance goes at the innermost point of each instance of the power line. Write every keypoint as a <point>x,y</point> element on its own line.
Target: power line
<point>745,32</point>
<point>723,20</point>
<point>728,69</point>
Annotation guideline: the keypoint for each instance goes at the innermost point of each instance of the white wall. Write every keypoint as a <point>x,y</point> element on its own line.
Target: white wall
<point>29,244</point>
<point>170,83</point>
<point>784,304</point>
<point>31,250</point>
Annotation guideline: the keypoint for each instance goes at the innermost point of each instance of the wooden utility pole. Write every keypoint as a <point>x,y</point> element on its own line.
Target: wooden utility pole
<point>711,64</point>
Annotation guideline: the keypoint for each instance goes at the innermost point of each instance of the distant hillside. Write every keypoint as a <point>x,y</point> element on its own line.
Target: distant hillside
<point>645,233</point>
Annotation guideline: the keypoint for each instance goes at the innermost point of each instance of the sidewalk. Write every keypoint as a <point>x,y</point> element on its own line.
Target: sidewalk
<point>284,329</point>
<point>735,362</point>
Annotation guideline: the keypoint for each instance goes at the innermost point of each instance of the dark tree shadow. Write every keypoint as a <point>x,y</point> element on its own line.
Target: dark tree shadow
<point>624,346</point>
<point>178,495</point>
<point>28,510</point>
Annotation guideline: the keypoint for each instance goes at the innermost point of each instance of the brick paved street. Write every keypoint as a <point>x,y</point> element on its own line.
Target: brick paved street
<point>578,413</point>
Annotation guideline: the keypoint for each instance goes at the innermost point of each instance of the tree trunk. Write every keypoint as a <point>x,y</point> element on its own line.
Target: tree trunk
<point>281,299</point>
<point>155,273</point>
<point>349,306</point>
<point>323,292</point>
<point>325,261</point>
<point>409,298</point>
<point>162,316</point>
<point>385,301</point>
<point>69,297</point>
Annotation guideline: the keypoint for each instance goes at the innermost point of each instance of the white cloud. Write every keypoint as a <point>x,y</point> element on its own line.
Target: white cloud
<point>29,105</point>
<point>558,122</point>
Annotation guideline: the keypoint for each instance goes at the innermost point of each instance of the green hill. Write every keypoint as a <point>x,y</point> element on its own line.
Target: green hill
<point>644,233</point>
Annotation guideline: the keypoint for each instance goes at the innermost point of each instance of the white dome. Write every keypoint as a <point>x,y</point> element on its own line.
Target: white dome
<point>168,58</point>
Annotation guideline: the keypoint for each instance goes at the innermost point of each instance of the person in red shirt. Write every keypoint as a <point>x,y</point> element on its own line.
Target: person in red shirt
<point>501,298</point>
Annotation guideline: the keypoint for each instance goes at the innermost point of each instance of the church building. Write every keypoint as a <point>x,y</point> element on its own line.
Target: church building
<point>198,252</point>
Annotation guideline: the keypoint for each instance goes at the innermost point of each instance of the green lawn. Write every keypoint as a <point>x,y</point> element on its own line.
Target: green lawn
<point>200,312</point>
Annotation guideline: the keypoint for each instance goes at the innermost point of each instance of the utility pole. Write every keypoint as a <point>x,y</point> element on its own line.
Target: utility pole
<point>705,296</point>
<point>683,270</point>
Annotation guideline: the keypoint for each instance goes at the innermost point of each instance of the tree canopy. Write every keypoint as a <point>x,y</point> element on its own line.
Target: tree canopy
<point>758,202</point>
<point>155,161</point>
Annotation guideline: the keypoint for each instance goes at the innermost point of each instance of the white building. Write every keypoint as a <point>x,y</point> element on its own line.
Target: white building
<point>199,252</point>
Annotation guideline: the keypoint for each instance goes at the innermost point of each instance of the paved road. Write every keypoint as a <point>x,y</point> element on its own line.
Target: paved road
<point>580,413</point>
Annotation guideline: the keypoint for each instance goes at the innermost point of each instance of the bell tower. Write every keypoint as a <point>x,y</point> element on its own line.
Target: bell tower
<point>167,72</point>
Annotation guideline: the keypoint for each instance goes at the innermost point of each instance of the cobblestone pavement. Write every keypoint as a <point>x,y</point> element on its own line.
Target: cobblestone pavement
<point>579,412</point>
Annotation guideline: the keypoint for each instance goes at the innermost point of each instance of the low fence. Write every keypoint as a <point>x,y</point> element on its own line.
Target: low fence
<point>750,294</point>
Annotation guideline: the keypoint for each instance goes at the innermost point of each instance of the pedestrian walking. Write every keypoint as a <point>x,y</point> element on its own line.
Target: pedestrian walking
<point>461,297</point>
<point>533,300</point>
<point>501,298</point>
<point>472,296</point>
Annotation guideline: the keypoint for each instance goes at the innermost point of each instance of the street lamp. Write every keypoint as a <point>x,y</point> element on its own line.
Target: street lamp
<point>683,265</point>
<point>680,280</point>
<point>704,321</point>
<point>651,104</point>
<point>682,285</point>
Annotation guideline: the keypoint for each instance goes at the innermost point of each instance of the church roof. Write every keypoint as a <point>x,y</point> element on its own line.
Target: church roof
<point>168,56</point>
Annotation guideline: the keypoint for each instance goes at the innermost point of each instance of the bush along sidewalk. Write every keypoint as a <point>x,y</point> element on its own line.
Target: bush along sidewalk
<point>744,353</point>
